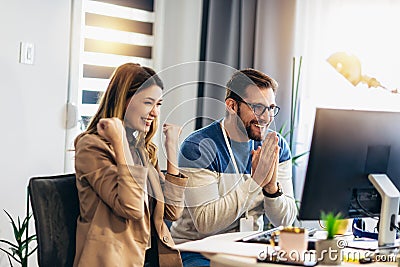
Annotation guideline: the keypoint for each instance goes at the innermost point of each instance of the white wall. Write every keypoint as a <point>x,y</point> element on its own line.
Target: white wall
<point>32,99</point>
<point>34,96</point>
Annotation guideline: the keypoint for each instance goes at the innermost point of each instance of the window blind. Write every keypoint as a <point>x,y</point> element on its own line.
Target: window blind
<point>114,32</point>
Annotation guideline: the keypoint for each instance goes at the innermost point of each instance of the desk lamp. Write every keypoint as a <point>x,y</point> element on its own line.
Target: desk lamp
<point>350,67</point>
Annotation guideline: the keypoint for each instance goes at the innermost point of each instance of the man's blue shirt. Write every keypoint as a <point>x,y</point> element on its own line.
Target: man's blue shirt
<point>206,148</point>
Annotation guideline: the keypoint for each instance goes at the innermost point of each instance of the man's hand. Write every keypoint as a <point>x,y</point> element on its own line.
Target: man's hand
<point>272,186</point>
<point>265,163</point>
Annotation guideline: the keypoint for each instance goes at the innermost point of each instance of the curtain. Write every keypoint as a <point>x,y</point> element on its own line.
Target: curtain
<point>246,34</point>
<point>227,45</point>
<point>274,49</point>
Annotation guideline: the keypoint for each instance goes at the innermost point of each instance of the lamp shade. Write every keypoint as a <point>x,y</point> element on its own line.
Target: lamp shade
<point>347,65</point>
<point>350,67</point>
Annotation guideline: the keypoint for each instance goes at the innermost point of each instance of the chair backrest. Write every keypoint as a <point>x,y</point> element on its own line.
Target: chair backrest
<point>55,205</point>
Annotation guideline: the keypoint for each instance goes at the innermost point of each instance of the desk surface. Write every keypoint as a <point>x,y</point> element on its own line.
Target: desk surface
<point>223,251</point>
<point>225,260</point>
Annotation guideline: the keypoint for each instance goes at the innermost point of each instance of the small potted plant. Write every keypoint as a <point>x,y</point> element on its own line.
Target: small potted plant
<point>20,250</point>
<point>329,250</point>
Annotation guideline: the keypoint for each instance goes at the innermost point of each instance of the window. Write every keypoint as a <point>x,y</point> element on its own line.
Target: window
<point>366,29</point>
<point>115,32</point>
<point>105,34</point>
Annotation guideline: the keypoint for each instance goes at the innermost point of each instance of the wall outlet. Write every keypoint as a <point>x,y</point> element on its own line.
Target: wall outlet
<point>26,53</point>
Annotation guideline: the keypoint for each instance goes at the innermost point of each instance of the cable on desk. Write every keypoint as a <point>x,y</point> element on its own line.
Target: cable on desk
<point>369,214</point>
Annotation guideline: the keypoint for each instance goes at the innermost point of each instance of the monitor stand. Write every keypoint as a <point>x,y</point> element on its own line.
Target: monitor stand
<point>389,208</point>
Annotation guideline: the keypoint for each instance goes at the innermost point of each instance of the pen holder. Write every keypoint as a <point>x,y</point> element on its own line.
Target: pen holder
<point>293,244</point>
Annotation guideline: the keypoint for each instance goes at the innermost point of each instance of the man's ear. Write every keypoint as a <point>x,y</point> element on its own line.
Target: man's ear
<point>231,105</point>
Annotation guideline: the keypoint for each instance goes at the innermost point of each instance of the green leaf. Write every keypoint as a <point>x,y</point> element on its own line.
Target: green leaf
<point>16,252</point>
<point>331,222</point>
<point>25,243</point>
<point>19,223</point>
<point>295,158</point>
<point>298,156</point>
<point>20,251</point>
<point>294,101</point>
<point>13,225</point>
<point>10,255</point>
<point>26,222</point>
<point>30,253</point>
<point>9,260</point>
<point>8,243</point>
<point>282,129</point>
<point>30,239</point>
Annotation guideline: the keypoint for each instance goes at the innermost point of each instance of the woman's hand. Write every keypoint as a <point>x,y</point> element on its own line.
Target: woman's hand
<point>171,143</point>
<point>111,129</point>
<point>171,132</point>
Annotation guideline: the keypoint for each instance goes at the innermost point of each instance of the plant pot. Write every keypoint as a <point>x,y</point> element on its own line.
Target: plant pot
<point>328,252</point>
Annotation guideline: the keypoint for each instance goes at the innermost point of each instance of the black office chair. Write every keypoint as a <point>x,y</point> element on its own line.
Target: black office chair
<point>55,205</point>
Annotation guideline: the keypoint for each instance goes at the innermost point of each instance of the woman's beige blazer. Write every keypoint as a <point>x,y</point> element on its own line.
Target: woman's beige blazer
<point>113,228</point>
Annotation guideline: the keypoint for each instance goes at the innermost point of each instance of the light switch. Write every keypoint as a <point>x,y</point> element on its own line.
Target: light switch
<point>27,53</point>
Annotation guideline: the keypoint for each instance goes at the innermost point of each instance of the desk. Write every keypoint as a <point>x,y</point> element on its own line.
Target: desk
<point>225,260</point>
<point>223,251</point>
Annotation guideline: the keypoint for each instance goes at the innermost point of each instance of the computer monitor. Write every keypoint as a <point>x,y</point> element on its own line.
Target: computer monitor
<point>347,146</point>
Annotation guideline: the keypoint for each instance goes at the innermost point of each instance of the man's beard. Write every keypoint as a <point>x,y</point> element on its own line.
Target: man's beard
<point>246,129</point>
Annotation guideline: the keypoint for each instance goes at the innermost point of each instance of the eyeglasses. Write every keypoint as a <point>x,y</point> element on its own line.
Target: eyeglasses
<point>259,109</point>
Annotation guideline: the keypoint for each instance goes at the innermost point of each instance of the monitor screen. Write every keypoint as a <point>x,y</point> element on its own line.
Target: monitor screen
<point>347,146</point>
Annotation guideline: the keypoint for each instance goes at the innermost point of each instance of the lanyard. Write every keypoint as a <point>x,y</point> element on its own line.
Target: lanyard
<point>246,223</point>
<point>230,149</point>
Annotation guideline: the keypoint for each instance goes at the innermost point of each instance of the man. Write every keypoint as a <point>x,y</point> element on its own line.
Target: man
<point>238,168</point>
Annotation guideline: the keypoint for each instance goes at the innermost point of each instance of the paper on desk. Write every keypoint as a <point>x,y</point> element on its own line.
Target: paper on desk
<point>225,243</point>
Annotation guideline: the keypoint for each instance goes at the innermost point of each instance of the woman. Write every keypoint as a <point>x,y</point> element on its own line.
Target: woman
<point>122,193</point>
